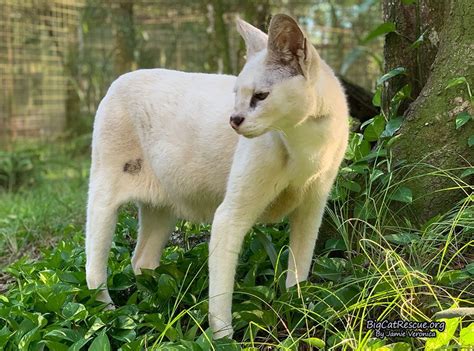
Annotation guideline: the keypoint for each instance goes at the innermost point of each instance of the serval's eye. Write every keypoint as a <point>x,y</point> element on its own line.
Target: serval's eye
<point>256,97</point>
<point>260,96</point>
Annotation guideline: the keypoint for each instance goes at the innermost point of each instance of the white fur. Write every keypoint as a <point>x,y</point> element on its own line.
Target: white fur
<point>194,166</point>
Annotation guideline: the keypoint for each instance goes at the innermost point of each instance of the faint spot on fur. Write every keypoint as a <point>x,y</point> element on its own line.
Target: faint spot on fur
<point>286,156</point>
<point>133,166</point>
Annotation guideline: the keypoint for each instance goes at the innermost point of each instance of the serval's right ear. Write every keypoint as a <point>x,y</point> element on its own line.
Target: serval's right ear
<point>255,39</point>
<point>288,45</point>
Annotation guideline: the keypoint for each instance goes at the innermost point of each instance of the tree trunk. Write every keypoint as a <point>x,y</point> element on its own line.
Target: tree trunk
<point>428,136</point>
<point>222,39</point>
<point>124,38</point>
<point>424,20</point>
<point>73,100</point>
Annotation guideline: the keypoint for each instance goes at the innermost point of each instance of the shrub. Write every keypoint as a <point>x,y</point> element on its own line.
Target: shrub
<point>19,169</point>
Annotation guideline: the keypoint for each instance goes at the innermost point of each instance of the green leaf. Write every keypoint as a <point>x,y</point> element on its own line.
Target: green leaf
<point>255,316</point>
<point>74,311</point>
<point>392,141</point>
<point>462,119</point>
<point>453,277</point>
<point>377,99</point>
<point>374,344</point>
<point>125,322</point>
<point>316,342</point>
<point>5,334</point>
<point>470,141</point>
<point>401,95</point>
<point>377,153</point>
<point>100,343</point>
<point>408,2</point>
<point>397,346</point>
<point>268,246</point>
<point>392,126</point>
<point>205,340</point>
<point>226,344</point>
<point>121,281</point>
<point>330,268</point>
<point>455,82</point>
<point>366,123</point>
<point>334,244</point>
<point>358,147</point>
<point>259,292</point>
<point>251,276</point>
<point>466,336</point>
<point>443,338</point>
<point>56,346</point>
<point>94,327</point>
<point>30,330</point>
<point>373,131</point>
<point>402,194</point>
<point>64,334</point>
<point>166,286</point>
<point>351,185</point>
<point>381,29</point>
<point>360,168</point>
<point>470,268</point>
<point>125,335</point>
<point>402,238</point>
<point>393,73</point>
<point>467,172</point>
<point>377,173</point>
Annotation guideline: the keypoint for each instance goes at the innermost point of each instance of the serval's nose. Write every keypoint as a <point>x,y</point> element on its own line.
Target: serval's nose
<point>236,121</point>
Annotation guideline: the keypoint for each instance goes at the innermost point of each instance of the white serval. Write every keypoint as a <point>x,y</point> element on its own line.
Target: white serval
<point>163,139</point>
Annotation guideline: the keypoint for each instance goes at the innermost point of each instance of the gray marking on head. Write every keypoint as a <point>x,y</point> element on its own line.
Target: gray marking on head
<point>275,73</point>
<point>133,166</point>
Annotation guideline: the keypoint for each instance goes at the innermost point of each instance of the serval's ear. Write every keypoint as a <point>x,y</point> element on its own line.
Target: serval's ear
<point>288,45</point>
<point>255,39</point>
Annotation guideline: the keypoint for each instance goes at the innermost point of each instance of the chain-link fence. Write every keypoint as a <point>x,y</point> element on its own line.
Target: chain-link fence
<point>33,83</point>
<point>57,58</point>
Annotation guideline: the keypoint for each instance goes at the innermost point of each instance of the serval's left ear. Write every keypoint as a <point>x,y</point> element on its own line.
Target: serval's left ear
<point>288,45</point>
<point>255,39</point>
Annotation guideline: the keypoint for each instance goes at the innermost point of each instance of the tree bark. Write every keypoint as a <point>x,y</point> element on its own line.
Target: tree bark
<point>428,137</point>
<point>417,21</point>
